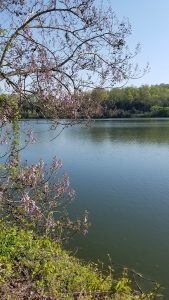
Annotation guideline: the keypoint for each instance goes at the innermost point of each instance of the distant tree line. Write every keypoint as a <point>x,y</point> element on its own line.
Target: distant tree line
<point>144,101</point>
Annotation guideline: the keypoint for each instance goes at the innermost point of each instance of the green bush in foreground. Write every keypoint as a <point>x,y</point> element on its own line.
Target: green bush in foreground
<point>37,268</point>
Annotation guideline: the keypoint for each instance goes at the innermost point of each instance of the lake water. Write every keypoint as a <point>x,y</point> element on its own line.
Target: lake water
<point>120,171</point>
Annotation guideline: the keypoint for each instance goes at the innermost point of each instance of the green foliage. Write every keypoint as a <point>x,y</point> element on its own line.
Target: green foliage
<point>9,104</point>
<point>52,271</point>
<point>144,101</point>
<point>100,94</point>
<point>159,111</point>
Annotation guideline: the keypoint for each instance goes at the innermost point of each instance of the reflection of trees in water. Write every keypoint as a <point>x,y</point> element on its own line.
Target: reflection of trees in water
<point>140,132</point>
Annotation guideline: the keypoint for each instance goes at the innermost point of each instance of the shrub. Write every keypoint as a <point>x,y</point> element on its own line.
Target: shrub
<point>35,267</point>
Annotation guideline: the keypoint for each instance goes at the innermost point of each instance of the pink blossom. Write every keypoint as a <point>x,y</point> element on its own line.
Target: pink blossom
<point>13,162</point>
<point>85,231</point>
<point>50,223</point>
<point>32,139</point>
<point>46,188</point>
<point>71,193</point>
<point>4,141</point>
<point>66,181</point>
<point>56,164</point>
<point>41,166</point>
<point>4,119</point>
<point>29,204</point>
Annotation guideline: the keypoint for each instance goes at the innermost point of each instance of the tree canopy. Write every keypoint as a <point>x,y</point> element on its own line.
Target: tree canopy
<point>52,51</point>
<point>144,101</point>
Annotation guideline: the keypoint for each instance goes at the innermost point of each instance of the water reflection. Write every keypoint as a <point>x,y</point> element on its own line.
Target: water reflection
<point>139,131</point>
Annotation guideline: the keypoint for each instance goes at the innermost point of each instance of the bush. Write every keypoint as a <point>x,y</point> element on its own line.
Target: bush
<point>33,267</point>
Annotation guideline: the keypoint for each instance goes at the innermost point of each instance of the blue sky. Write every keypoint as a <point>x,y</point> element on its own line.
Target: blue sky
<point>150,27</point>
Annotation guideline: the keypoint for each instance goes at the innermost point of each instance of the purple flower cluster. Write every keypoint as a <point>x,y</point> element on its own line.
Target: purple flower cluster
<point>50,222</point>
<point>4,141</point>
<point>28,204</point>
<point>31,138</point>
<point>56,164</point>
<point>33,174</point>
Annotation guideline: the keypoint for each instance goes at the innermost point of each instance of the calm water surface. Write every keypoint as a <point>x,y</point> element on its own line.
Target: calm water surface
<point>120,171</point>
